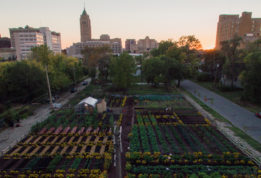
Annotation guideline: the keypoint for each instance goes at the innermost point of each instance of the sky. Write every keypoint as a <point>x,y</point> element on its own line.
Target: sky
<point>134,19</point>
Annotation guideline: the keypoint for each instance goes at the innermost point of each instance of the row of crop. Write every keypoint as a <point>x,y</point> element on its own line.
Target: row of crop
<point>139,120</point>
<point>169,119</point>
<point>194,175</point>
<point>213,142</point>
<point>159,97</point>
<point>134,139</point>
<point>75,131</point>
<point>163,143</point>
<point>178,139</point>
<point>69,141</point>
<point>174,147</point>
<point>222,139</point>
<point>97,155</point>
<point>195,158</point>
<point>115,101</point>
<point>192,139</point>
<point>188,156</point>
<point>63,144</point>
<point>92,174</point>
<point>58,164</point>
<point>190,169</point>
<point>119,121</point>
<point>153,139</point>
<point>144,139</point>
<point>148,138</point>
<point>68,119</point>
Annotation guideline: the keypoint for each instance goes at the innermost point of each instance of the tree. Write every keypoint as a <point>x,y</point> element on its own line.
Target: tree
<point>251,77</point>
<point>121,70</point>
<point>190,45</point>
<point>174,69</point>
<point>213,64</point>
<point>42,54</point>
<point>103,66</point>
<point>152,70</point>
<point>93,55</point>
<point>190,42</point>
<point>254,46</point>
<point>230,50</point>
<point>22,81</point>
<point>162,49</point>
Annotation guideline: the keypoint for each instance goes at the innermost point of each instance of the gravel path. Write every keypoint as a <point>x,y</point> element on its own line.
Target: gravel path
<point>237,115</point>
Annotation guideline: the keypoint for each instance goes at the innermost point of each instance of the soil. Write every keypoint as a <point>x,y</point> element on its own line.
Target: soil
<point>126,129</point>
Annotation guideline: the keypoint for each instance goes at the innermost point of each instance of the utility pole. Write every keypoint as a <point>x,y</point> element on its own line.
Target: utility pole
<point>74,75</point>
<point>49,88</point>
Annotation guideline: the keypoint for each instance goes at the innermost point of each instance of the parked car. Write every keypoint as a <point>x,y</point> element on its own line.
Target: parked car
<point>47,100</point>
<point>73,90</point>
<point>258,114</point>
<point>85,83</point>
<point>57,106</point>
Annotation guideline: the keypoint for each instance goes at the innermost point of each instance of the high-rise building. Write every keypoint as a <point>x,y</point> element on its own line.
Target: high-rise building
<point>85,25</point>
<point>147,44</point>
<point>24,39</point>
<point>130,45</point>
<point>51,39</point>
<point>246,27</point>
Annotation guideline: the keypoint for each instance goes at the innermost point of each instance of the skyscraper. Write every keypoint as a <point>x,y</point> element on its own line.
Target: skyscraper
<point>85,23</point>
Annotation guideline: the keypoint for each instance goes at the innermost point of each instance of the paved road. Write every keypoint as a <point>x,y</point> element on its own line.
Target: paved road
<point>9,137</point>
<point>238,116</point>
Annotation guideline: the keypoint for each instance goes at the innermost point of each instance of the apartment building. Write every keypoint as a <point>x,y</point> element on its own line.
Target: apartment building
<point>246,27</point>
<point>24,39</point>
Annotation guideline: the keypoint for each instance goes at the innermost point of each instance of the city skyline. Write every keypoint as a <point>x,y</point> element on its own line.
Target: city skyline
<point>124,19</point>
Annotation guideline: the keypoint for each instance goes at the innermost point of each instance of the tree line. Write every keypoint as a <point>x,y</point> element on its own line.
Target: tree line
<point>24,81</point>
<point>174,61</point>
<point>170,63</point>
<point>234,63</point>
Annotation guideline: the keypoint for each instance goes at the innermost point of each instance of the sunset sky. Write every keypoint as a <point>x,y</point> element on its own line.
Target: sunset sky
<point>158,19</point>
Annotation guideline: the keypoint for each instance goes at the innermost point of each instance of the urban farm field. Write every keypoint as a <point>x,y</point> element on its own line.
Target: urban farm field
<point>65,145</point>
<point>179,142</point>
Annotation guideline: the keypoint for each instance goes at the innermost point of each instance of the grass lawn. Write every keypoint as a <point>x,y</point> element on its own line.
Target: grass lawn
<point>233,96</point>
<point>148,89</point>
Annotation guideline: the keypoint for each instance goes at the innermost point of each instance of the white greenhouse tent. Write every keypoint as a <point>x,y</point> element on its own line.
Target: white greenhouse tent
<point>89,101</point>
